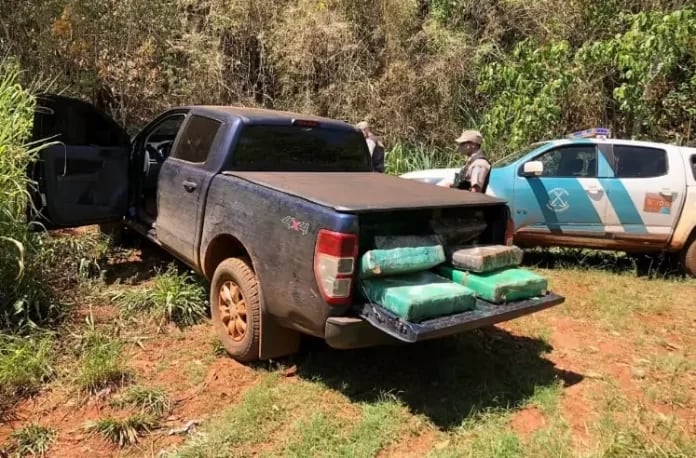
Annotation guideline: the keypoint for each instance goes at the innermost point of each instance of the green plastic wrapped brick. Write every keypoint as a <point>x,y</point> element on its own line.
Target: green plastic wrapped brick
<point>502,286</point>
<point>418,297</point>
<point>484,258</point>
<point>401,255</point>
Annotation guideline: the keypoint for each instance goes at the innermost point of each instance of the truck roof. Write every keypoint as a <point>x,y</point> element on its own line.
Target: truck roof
<point>365,192</point>
<point>265,116</point>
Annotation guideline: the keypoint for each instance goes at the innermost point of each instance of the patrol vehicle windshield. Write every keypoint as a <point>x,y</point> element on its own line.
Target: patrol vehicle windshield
<point>509,159</point>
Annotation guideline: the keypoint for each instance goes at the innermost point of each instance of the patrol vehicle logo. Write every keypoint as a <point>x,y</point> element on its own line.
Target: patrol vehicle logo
<point>558,200</point>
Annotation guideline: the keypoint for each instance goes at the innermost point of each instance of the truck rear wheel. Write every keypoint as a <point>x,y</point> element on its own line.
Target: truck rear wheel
<point>235,309</point>
<point>689,258</point>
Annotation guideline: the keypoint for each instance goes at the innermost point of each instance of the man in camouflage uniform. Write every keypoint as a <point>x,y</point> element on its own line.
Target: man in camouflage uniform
<point>474,175</point>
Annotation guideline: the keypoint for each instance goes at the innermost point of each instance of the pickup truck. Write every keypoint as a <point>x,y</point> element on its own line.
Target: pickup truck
<point>597,192</point>
<point>272,208</point>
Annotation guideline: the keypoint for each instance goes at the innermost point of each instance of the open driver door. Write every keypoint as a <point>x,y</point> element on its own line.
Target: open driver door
<point>82,173</point>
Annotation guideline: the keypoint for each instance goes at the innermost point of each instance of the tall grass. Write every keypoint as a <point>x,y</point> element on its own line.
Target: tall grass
<point>23,293</point>
<point>404,157</point>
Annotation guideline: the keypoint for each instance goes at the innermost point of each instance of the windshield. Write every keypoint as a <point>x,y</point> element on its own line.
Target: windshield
<point>300,149</point>
<point>509,159</point>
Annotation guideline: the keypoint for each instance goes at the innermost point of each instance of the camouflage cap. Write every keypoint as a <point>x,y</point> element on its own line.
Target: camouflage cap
<point>473,136</point>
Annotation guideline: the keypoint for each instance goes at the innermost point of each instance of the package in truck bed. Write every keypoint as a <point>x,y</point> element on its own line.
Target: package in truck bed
<point>501,286</point>
<point>420,296</point>
<point>458,231</point>
<point>485,258</point>
<point>401,254</point>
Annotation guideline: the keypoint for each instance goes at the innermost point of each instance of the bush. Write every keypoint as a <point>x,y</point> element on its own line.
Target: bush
<point>25,362</point>
<point>176,297</point>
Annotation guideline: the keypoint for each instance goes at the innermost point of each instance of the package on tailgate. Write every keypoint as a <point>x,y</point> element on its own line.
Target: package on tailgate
<point>501,286</point>
<point>485,258</point>
<point>420,296</point>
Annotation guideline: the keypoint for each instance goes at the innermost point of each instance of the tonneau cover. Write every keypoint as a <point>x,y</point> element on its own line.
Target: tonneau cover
<point>362,192</point>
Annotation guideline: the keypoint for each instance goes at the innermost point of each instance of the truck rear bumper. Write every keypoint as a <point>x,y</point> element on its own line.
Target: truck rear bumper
<point>375,325</point>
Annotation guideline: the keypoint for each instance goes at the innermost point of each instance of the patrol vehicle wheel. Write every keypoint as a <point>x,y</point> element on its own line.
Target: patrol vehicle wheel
<point>689,260</point>
<point>235,308</point>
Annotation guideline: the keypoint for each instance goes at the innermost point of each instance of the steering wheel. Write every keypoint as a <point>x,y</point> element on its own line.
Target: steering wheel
<point>156,153</point>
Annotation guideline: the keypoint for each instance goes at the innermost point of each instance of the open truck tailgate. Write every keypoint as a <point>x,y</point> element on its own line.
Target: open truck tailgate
<point>485,314</point>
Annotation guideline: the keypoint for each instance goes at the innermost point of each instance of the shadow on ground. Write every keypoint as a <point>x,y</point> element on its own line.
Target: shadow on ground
<point>448,380</point>
<point>137,261</point>
<point>658,265</point>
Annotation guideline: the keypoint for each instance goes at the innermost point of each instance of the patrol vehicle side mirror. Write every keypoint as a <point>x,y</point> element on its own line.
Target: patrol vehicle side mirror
<point>533,169</point>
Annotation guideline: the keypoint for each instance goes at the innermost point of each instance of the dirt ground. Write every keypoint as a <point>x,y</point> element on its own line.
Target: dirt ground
<point>591,355</point>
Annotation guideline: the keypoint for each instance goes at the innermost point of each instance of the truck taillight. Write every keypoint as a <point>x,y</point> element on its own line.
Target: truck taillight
<point>334,264</point>
<point>509,232</point>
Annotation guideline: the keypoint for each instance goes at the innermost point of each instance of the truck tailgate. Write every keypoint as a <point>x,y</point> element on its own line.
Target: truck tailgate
<point>485,314</point>
<point>365,192</point>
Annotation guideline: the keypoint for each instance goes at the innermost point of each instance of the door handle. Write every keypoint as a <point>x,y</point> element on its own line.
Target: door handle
<point>190,186</point>
<point>667,193</point>
<point>594,191</point>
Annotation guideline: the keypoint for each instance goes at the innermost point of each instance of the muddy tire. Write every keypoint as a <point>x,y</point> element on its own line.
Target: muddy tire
<point>689,258</point>
<point>235,309</point>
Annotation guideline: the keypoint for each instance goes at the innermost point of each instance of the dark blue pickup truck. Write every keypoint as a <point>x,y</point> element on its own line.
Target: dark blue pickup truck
<point>273,208</point>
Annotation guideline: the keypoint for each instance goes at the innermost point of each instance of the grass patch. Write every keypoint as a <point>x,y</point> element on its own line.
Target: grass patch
<point>249,423</point>
<point>486,434</point>
<point>667,374</point>
<point>403,158</point>
<point>123,431</point>
<point>25,363</point>
<point>150,400</point>
<point>100,362</point>
<point>176,297</point>
<point>32,440</point>
<point>325,434</point>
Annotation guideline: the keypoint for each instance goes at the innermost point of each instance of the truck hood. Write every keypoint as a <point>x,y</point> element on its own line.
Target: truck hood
<point>364,192</point>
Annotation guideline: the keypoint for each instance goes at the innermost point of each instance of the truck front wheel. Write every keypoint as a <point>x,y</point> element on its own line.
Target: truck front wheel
<point>689,258</point>
<point>235,308</point>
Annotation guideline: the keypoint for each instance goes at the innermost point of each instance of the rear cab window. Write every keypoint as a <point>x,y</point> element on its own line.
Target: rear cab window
<point>639,162</point>
<point>275,148</point>
<point>197,139</point>
<point>693,165</point>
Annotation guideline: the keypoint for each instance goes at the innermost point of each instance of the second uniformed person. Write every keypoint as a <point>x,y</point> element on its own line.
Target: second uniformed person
<point>474,175</point>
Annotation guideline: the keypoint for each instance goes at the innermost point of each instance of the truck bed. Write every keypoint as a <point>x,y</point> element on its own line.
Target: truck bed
<point>365,192</point>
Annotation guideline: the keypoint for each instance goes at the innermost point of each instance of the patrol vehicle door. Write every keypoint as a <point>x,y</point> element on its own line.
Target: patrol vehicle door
<point>645,194</point>
<point>566,198</point>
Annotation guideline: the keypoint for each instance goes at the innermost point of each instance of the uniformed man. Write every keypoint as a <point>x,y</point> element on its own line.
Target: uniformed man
<point>375,146</point>
<point>474,175</point>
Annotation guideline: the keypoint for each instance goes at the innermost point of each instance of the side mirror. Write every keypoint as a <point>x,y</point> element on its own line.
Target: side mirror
<point>533,169</point>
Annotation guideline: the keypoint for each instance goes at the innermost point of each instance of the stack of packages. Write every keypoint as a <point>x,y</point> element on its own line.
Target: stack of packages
<point>397,275</point>
<point>492,272</point>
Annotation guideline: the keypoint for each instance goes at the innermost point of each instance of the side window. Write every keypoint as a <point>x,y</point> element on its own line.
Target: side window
<point>570,161</point>
<point>160,139</point>
<point>197,139</point>
<point>639,162</point>
<point>693,165</point>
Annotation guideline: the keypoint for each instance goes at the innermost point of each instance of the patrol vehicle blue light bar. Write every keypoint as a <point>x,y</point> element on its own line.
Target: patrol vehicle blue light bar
<point>597,132</point>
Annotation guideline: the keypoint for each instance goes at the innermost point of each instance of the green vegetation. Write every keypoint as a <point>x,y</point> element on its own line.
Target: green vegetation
<point>420,70</point>
<point>123,431</point>
<point>25,362</point>
<point>101,363</point>
<point>34,440</point>
<point>150,400</point>
<point>174,296</point>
